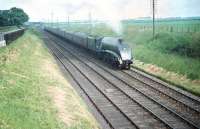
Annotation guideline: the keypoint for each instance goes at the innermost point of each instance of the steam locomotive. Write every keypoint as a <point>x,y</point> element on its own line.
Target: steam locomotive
<point>111,49</point>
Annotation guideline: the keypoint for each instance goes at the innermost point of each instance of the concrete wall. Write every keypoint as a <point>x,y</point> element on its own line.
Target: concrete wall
<point>2,43</point>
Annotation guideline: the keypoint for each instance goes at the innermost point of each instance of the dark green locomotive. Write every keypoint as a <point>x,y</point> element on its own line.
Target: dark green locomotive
<point>111,49</point>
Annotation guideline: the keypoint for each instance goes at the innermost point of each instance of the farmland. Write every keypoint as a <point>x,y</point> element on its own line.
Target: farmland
<point>175,47</point>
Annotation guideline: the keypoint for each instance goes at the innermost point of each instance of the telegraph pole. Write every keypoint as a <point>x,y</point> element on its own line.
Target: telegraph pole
<point>68,20</point>
<point>153,2</point>
<point>47,23</point>
<point>57,23</point>
<point>52,19</point>
<point>90,21</point>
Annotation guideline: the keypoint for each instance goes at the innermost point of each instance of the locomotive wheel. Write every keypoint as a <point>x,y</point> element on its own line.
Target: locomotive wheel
<point>106,58</point>
<point>120,67</point>
<point>100,55</point>
<point>114,64</point>
<point>128,67</point>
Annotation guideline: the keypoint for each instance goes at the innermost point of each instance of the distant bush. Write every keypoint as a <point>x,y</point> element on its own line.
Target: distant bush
<point>180,43</point>
<point>195,45</point>
<point>192,76</point>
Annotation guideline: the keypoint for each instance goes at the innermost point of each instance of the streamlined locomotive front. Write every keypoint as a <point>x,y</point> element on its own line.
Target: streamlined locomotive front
<point>118,52</point>
<point>126,55</point>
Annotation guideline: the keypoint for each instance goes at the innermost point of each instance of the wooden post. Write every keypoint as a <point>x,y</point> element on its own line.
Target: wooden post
<point>171,29</point>
<point>153,19</point>
<point>52,19</point>
<point>188,29</point>
<point>68,20</point>
<point>182,28</point>
<point>90,22</point>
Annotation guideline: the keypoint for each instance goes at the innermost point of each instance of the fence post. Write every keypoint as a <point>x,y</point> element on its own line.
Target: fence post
<point>198,27</point>
<point>171,28</point>
<point>182,28</point>
<point>188,29</point>
<point>195,29</point>
<point>178,30</point>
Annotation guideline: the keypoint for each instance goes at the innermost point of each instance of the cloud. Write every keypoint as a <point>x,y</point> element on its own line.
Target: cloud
<point>102,9</point>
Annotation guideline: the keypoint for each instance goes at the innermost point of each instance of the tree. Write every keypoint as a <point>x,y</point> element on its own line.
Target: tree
<point>14,16</point>
<point>4,18</point>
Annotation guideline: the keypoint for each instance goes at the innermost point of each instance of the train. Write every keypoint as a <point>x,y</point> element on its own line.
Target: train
<point>110,49</point>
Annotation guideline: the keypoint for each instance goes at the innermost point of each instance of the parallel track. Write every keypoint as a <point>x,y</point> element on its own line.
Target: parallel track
<point>151,106</point>
<point>103,104</point>
<point>166,89</point>
<point>120,103</point>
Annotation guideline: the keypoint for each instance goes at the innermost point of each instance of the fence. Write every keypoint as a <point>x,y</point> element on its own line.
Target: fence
<point>191,28</point>
<point>8,37</point>
<point>13,35</point>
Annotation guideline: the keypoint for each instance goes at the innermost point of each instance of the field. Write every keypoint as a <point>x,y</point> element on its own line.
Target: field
<point>33,92</point>
<point>175,49</point>
<point>181,26</point>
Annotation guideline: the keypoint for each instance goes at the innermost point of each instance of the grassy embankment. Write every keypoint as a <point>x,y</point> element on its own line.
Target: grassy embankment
<point>166,57</point>
<point>173,55</point>
<point>33,93</point>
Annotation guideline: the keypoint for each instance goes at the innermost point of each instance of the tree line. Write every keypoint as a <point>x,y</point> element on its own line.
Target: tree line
<point>13,16</point>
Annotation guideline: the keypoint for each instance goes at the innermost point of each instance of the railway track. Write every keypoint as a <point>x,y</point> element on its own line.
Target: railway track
<point>140,103</point>
<point>110,112</point>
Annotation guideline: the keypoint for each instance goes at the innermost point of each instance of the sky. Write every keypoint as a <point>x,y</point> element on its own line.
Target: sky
<point>59,10</point>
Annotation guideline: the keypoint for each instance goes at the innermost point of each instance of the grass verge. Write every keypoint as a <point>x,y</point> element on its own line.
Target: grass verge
<point>25,99</point>
<point>172,78</point>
